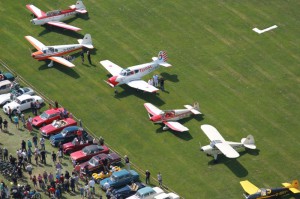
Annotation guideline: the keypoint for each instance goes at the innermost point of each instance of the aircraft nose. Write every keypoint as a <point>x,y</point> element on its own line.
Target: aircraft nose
<point>113,80</point>
<point>201,149</point>
<point>155,118</point>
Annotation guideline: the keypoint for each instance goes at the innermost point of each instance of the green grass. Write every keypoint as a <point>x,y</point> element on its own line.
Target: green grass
<point>245,83</point>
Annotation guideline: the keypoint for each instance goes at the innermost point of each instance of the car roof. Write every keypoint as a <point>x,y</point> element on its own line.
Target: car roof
<point>25,96</point>
<point>120,173</point>
<point>53,110</point>
<point>92,147</point>
<point>4,82</point>
<point>144,190</point>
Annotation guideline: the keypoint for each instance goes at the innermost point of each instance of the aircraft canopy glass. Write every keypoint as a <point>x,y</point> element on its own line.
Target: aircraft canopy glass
<point>52,13</point>
<point>126,72</point>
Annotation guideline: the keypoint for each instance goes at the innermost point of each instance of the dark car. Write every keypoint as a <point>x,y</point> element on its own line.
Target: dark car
<point>95,164</point>
<point>88,152</point>
<point>73,146</point>
<point>66,135</point>
<point>127,190</point>
<point>7,76</point>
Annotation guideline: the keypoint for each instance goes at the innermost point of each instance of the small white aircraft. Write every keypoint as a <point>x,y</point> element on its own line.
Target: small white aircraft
<point>168,117</point>
<point>54,53</point>
<point>56,17</point>
<point>132,75</point>
<point>219,145</point>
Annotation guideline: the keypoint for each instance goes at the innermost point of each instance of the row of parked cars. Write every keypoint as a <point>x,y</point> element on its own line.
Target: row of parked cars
<point>90,156</point>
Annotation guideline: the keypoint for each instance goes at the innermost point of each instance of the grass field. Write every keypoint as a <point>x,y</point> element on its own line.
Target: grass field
<point>245,83</point>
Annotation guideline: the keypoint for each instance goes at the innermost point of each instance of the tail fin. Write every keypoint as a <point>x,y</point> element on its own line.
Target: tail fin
<point>161,59</point>
<point>249,142</point>
<point>79,7</point>
<point>194,109</point>
<point>86,41</point>
<point>293,187</point>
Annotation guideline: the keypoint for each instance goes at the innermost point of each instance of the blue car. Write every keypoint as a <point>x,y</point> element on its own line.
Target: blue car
<point>119,179</point>
<point>66,135</point>
<point>127,190</point>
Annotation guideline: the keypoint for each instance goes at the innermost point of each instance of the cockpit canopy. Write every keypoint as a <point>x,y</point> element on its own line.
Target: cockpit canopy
<point>264,192</point>
<point>48,50</point>
<point>127,72</point>
<point>52,13</point>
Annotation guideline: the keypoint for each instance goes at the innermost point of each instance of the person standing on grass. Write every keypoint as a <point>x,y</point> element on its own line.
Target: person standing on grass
<point>29,155</point>
<point>34,140</point>
<point>59,155</point>
<point>127,163</point>
<point>1,121</point>
<point>29,144</point>
<point>22,116</point>
<point>29,125</point>
<point>5,125</point>
<point>53,157</point>
<point>29,169</point>
<point>9,113</point>
<point>159,178</point>
<point>89,56</point>
<point>16,121</point>
<point>42,143</point>
<point>82,56</point>
<point>43,155</point>
<point>148,176</point>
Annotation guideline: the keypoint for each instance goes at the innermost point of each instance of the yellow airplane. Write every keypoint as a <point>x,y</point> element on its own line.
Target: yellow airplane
<point>255,193</point>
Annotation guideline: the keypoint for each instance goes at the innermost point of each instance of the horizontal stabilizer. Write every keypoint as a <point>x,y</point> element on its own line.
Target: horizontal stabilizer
<point>249,142</point>
<point>193,110</point>
<point>165,64</point>
<point>81,11</point>
<point>294,190</point>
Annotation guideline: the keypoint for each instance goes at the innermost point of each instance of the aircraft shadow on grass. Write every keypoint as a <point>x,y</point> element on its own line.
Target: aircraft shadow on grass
<point>233,164</point>
<point>128,91</point>
<point>64,69</point>
<point>168,77</point>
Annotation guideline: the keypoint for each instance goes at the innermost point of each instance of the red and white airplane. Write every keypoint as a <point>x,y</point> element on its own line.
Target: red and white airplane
<point>55,53</point>
<point>132,75</point>
<point>169,117</point>
<point>56,17</point>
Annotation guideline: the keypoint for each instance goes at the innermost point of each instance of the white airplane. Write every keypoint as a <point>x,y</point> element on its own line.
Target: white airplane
<point>219,145</point>
<point>54,53</point>
<point>56,17</point>
<point>168,117</point>
<point>132,75</point>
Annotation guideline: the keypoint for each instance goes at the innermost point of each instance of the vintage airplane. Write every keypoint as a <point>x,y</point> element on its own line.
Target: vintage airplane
<point>169,117</point>
<point>255,193</point>
<point>54,53</point>
<point>219,145</point>
<point>56,17</point>
<point>132,75</point>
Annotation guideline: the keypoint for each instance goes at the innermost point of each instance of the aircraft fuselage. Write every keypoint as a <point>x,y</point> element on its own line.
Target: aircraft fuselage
<point>61,16</point>
<point>59,50</point>
<point>269,193</point>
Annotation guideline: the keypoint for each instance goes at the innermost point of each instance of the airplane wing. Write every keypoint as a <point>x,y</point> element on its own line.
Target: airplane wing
<point>36,11</point>
<point>63,25</point>
<point>153,110</point>
<point>249,187</point>
<point>114,69</point>
<point>176,126</point>
<point>227,150</point>
<point>62,61</point>
<point>37,44</point>
<point>211,132</point>
<point>142,85</point>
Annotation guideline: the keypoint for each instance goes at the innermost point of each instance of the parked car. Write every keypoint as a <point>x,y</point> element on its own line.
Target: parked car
<point>56,126</point>
<point>71,147</point>
<point>147,193</point>
<point>95,164</point>
<point>47,117</point>
<point>68,134</point>
<point>88,152</point>
<point>23,102</point>
<point>120,178</point>
<point>5,86</point>
<point>8,97</point>
<point>167,196</point>
<point>127,190</point>
<point>7,76</point>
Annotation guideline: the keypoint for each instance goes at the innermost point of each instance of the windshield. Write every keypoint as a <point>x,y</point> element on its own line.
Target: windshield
<point>112,178</point>
<point>64,133</point>
<point>18,101</point>
<point>92,162</point>
<point>85,151</point>
<point>44,116</point>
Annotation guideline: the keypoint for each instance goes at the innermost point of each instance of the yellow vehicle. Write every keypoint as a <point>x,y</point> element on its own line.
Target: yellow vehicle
<point>100,176</point>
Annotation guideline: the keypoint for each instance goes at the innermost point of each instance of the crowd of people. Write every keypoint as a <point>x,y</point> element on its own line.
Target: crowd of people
<point>157,81</point>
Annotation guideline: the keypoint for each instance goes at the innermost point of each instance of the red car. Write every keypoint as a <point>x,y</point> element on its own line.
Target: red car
<point>96,162</point>
<point>71,147</point>
<point>88,152</point>
<point>47,117</point>
<point>56,126</point>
